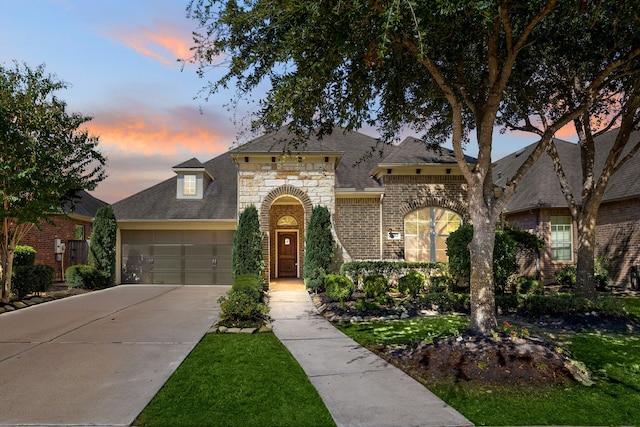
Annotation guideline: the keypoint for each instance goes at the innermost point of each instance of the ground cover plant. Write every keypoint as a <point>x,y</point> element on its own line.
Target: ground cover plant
<point>237,380</point>
<point>610,350</point>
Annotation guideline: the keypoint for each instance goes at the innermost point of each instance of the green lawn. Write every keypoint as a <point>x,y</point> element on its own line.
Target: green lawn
<point>613,358</point>
<point>237,380</point>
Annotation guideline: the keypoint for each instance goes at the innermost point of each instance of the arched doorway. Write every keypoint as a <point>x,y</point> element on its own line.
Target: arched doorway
<point>286,219</point>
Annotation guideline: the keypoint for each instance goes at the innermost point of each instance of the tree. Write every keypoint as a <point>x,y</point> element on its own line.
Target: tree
<point>441,68</point>
<point>102,251</point>
<point>318,248</point>
<point>45,158</point>
<point>610,38</point>
<point>247,245</point>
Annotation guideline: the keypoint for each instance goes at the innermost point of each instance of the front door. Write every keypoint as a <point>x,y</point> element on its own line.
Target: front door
<point>287,254</point>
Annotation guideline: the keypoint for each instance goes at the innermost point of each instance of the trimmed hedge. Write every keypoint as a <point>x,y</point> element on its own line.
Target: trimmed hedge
<point>338,287</point>
<point>392,270</point>
<point>559,305</point>
<point>23,256</point>
<point>445,302</point>
<point>86,277</point>
<point>28,279</point>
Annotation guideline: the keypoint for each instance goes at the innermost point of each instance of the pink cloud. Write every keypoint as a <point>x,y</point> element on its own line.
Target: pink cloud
<point>164,42</point>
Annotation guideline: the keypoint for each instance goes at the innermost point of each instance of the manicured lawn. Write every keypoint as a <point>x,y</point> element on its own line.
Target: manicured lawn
<point>612,357</point>
<point>237,380</point>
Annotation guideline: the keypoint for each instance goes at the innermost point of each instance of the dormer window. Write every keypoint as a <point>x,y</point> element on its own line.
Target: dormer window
<point>189,185</point>
<point>193,180</point>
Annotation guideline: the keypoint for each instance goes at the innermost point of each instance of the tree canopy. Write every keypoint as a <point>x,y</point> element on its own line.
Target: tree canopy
<point>444,69</point>
<point>46,156</point>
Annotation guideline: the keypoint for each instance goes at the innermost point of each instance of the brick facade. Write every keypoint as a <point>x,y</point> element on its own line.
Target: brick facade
<point>405,193</point>
<point>617,238</point>
<point>357,223</point>
<point>42,240</point>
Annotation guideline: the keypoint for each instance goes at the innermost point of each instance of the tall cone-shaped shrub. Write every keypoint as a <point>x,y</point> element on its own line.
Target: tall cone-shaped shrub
<point>318,253</point>
<point>102,251</point>
<point>247,245</point>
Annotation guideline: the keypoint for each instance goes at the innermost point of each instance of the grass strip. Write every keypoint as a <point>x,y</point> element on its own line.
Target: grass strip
<point>612,357</point>
<point>237,380</point>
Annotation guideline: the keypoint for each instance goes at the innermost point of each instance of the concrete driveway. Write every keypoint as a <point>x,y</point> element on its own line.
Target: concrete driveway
<point>98,358</point>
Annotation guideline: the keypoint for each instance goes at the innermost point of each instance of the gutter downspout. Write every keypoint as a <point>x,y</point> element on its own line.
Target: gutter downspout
<point>380,232</point>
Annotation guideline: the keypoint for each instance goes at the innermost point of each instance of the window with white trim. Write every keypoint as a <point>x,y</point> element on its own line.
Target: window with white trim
<point>561,238</point>
<point>189,185</point>
<point>426,231</point>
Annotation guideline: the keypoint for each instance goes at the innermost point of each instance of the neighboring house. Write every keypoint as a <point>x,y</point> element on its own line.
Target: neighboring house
<point>66,241</point>
<point>397,206</point>
<point>540,207</point>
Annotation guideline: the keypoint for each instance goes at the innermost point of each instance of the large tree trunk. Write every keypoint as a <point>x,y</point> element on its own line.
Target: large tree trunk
<point>483,305</point>
<point>585,282</point>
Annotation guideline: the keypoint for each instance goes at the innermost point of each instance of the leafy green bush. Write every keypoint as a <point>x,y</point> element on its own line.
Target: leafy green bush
<point>319,248</point>
<point>601,273</point>
<point>247,255</point>
<point>412,283</point>
<point>240,306</point>
<point>23,255</point>
<point>356,270</point>
<point>526,285</point>
<point>566,276</point>
<point>504,255</point>
<point>87,277</point>
<point>375,285</point>
<point>445,302</point>
<point>338,288</point>
<point>243,302</point>
<point>29,279</point>
<point>559,305</point>
<point>442,282</point>
<point>250,284</point>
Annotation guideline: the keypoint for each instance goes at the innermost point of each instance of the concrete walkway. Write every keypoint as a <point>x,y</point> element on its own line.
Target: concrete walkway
<point>358,387</point>
<point>97,359</point>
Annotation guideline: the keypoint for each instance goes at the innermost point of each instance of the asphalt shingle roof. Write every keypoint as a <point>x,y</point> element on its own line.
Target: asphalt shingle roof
<point>160,203</point>
<point>413,151</point>
<point>540,187</point>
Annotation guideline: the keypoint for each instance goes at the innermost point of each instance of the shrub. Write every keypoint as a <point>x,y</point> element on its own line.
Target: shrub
<point>445,302</point>
<point>23,256</point>
<point>509,241</point>
<point>527,285</point>
<point>601,273</point>
<point>250,284</point>
<point>102,250</point>
<point>29,279</point>
<point>319,249</point>
<point>375,285</point>
<point>338,288</point>
<point>247,255</point>
<point>559,305</point>
<point>411,284</point>
<point>241,306</point>
<point>443,282</point>
<point>86,277</point>
<point>566,276</point>
<point>243,302</point>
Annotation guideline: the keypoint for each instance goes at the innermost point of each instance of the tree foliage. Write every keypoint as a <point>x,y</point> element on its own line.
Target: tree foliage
<point>46,156</point>
<point>102,251</point>
<point>247,245</point>
<point>318,248</point>
<point>443,69</point>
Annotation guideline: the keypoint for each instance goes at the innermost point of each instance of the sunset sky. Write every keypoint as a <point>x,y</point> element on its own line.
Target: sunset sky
<point>120,60</point>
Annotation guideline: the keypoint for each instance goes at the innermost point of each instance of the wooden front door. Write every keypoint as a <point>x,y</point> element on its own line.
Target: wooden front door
<point>287,254</point>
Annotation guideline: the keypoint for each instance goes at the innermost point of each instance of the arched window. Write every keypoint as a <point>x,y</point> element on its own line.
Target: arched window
<point>426,230</point>
<point>287,221</point>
